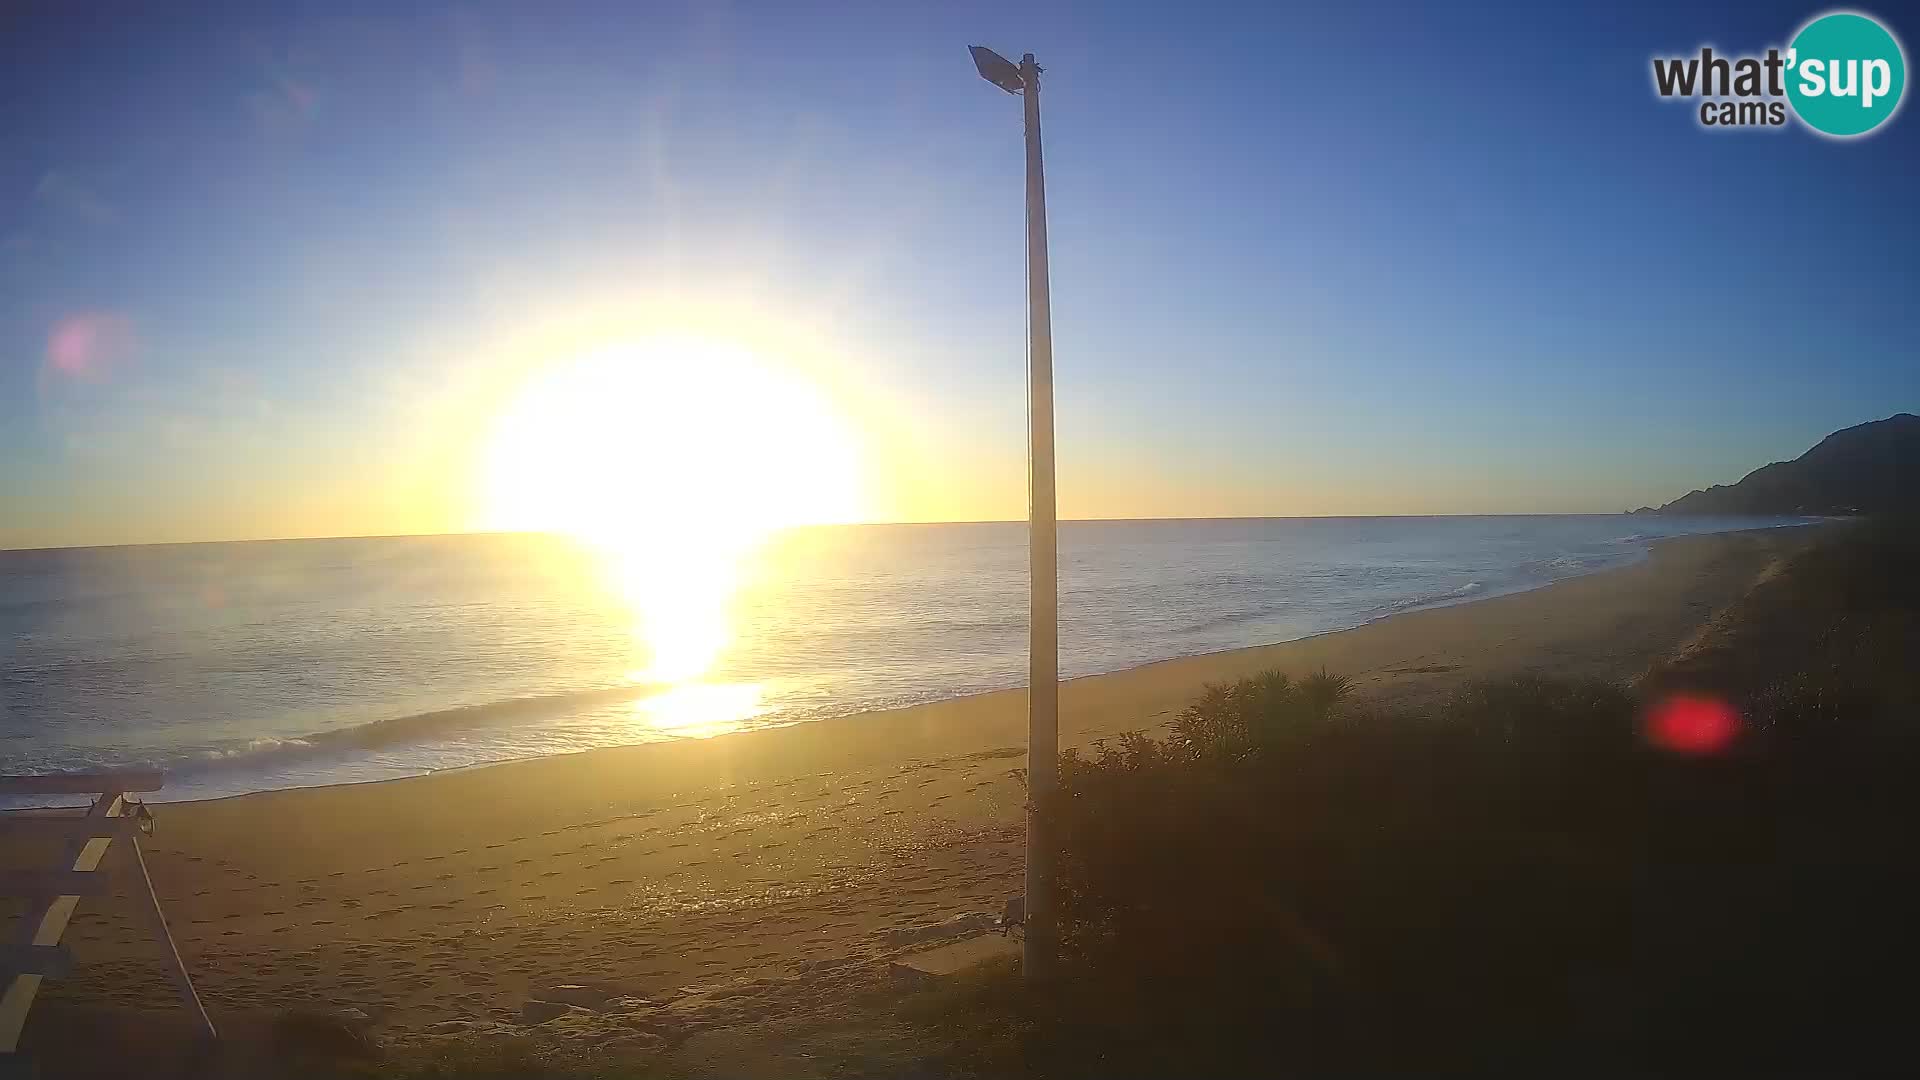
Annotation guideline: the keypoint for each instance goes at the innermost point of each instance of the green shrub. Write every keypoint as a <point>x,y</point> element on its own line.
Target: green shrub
<point>1542,711</point>
<point>1262,712</point>
<point>1479,888</point>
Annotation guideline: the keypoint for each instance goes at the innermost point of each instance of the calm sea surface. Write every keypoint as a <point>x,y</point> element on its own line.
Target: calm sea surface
<point>247,666</point>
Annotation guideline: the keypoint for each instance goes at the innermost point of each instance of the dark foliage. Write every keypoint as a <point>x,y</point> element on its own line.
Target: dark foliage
<point>315,1035</point>
<point>1519,880</point>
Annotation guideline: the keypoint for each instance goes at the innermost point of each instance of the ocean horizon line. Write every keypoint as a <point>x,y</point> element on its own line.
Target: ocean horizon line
<point>562,534</point>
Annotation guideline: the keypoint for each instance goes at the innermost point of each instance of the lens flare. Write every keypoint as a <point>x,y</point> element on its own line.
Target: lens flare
<point>1692,724</point>
<point>86,346</point>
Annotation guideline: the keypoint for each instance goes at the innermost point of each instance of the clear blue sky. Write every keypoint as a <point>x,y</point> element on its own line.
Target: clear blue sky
<point>259,268</point>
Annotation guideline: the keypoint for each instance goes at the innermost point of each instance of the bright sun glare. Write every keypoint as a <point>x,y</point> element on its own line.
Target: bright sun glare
<point>673,458</point>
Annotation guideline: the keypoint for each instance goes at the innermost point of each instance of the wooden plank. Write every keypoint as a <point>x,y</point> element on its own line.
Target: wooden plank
<point>82,783</point>
<point>54,883</point>
<point>50,961</point>
<point>45,926</point>
<point>14,1004</point>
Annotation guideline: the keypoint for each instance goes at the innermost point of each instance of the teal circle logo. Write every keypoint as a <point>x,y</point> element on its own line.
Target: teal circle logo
<point>1845,74</point>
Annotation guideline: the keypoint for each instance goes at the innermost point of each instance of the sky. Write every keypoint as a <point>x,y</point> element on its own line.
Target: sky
<point>279,269</point>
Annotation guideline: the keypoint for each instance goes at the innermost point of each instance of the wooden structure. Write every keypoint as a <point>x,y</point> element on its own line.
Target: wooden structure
<point>113,824</point>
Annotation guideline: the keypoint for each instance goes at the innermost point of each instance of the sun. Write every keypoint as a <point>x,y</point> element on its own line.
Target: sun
<point>673,457</point>
<point>648,441</point>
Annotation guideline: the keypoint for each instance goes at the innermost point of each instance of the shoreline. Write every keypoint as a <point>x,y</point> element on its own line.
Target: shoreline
<point>752,855</point>
<point>1652,549</point>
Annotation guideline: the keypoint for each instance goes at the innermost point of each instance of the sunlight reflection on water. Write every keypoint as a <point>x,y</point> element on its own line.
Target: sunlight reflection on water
<point>700,710</point>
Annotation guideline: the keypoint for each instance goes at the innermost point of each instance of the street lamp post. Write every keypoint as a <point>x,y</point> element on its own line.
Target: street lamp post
<point>1043,694</point>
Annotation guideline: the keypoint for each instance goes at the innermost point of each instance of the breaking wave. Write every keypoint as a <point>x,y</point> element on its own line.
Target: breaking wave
<point>418,727</point>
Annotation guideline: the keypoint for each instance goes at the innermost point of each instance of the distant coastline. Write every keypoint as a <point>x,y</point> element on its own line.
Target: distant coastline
<point>1871,468</point>
<point>1020,522</point>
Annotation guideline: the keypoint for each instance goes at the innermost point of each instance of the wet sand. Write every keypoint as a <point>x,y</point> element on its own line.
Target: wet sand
<point>700,862</point>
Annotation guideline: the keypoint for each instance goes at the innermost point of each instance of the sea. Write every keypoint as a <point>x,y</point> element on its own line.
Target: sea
<point>239,667</point>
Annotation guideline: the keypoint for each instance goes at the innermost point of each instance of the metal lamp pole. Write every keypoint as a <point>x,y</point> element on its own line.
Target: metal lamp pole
<point>1043,694</point>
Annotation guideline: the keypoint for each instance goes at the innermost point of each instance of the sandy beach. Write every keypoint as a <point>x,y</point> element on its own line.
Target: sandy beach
<point>656,867</point>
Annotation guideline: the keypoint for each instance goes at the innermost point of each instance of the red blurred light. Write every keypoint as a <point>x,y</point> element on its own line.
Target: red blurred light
<point>1692,724</point>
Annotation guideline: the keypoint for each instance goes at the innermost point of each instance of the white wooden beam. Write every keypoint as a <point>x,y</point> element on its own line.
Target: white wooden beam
<point>38,954</point>
<point>47,920</point>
